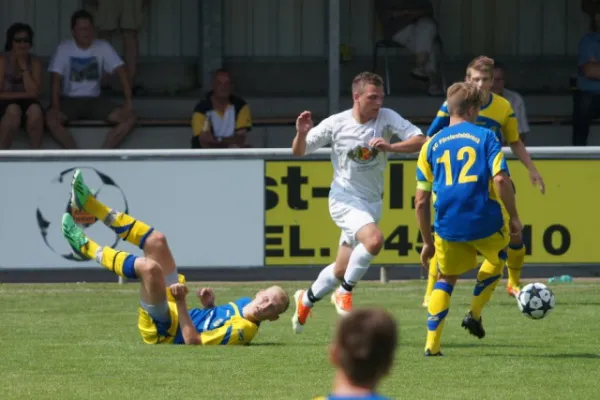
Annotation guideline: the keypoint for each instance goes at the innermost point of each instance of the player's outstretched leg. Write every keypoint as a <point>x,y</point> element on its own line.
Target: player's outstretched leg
<point>487,279</point>
<point>325,283</point>
<point>437,310</point>
<point>119,262</point>
<point>514,265</point>
<point>432,275</point>
<point>370,243</point>
<point>127,227</point>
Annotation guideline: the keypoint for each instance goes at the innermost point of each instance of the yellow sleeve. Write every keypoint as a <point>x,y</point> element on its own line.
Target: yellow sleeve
<point>510,129</point>
<point>199,123</point>
<point>424,170</point>
<point>244,119</point>
<point>236,331</point>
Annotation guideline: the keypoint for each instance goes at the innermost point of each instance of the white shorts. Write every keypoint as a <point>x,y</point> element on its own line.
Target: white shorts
<point>351,213</point>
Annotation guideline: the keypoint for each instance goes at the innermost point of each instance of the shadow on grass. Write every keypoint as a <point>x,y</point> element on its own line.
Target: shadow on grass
<point>563,356</point>
<point>492,345</point>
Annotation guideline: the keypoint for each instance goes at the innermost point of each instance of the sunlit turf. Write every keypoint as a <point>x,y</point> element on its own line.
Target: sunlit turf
<point>80,341</point>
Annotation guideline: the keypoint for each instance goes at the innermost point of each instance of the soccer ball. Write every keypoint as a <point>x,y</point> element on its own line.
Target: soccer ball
<point>535,300</point>
<point>55,199</point>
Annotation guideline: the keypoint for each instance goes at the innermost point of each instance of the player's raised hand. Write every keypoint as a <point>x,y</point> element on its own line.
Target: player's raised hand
<point>304,122</point>
<point>206,296</point>
<point>179,291</point>
<point>537,180</point>
<point>380,144</point>
<point>427,253</point>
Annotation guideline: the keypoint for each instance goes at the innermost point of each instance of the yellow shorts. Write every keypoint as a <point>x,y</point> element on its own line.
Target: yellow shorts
<point>154,334</point>
<point>456,258</point>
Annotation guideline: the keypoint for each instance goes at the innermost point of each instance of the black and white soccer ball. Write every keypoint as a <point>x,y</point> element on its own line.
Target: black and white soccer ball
<point>536,300</point>
<point>55,199</point>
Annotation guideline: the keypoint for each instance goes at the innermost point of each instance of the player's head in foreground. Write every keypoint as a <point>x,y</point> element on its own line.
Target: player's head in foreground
<point>268,304</point>
<point>464,100</point>
<point>367,95</point>
<point>480,71</point>
<point>363,350</point>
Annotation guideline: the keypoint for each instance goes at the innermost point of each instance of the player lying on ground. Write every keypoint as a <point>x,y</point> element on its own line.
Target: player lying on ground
<point>360,140</point>
<point>496,114</point>
<point>163,313</point>
<point>458,165</point>
<point>362,353</point>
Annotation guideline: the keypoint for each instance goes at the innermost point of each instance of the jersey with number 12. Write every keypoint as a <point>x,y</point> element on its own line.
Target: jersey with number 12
<point>459,164</point>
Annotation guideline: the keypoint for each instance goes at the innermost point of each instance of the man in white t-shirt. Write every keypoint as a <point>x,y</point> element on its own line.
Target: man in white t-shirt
<point>514,98</point>
<point>360,140</point>
<point>76,69</point>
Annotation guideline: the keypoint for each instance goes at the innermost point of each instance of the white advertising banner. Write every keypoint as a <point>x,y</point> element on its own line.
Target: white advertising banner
<point>212,211</point>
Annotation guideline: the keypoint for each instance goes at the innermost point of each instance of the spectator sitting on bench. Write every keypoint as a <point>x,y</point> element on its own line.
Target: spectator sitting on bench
<point>411,23</point>
<point>586,99</point>
<point>20,82</point>
<point>514,98</point>
<point>221,119</point>
<point>78,63</point>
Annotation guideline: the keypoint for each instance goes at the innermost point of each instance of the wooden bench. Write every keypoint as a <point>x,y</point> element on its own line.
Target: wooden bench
<point>290,121</point>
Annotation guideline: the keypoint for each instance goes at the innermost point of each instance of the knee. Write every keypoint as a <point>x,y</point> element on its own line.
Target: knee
<point>34,113</point>
<point>148,269</point>
<point>156,241</point>
<point>374,242</point>
<point>13,114</point>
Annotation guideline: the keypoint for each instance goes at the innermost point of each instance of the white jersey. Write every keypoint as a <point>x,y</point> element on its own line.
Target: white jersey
<point>518,106</point>
<point>358,168</point>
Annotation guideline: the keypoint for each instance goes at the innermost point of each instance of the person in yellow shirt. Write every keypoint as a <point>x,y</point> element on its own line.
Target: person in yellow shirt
<point>163,315</point>
<point>497,115</point>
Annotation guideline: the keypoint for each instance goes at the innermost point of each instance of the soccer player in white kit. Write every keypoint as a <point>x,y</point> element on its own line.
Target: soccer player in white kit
<point>360,140</point>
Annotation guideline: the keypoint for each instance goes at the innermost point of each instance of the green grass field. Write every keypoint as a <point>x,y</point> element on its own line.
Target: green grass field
<point>80,341</point>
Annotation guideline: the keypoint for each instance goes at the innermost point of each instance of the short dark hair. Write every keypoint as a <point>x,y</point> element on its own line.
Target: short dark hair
<point>366,340</point>
<point>81,14</point>
<point>499,65</point>
<point>13,30</point>
<point>366,78</point>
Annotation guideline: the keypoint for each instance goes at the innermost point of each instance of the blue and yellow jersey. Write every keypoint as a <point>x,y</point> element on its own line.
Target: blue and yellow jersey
<point>497,115</point>
<point>457,165</point>
<point>222,325</point>
<point>370,396</point>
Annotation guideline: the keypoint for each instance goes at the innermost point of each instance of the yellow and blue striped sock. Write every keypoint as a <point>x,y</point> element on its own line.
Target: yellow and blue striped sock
<point>119,262</point>
<point>514,264</point>
<point>487,280</point>
<point>128,228</point>
<point>439,305</point>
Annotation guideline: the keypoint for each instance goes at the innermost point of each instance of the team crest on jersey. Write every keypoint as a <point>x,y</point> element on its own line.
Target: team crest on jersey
<point>362,154</point>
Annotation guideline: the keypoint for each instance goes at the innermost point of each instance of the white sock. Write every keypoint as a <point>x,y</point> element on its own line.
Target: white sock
<point>325,283</point>
<point>359,263</point>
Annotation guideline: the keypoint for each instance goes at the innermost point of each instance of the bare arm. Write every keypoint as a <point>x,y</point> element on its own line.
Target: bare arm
<point>188,330</point>
<point>299,144</point>
<point>423,209</point>
<point>56,82</point>
<point>518,148</point>
<point>505,190</point>
<point>32,80</point>
<point>124,78</point>
<point>591,70</point>
<point>412,145</point>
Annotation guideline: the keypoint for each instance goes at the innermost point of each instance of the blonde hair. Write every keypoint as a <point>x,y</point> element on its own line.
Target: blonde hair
<point>463,96</point>
<point>481,64</point>
<point>282,296</point>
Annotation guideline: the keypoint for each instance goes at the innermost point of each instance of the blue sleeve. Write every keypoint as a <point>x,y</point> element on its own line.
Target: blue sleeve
<point>494,155</point>
<point>442,120</point>
<point>586,50</point>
